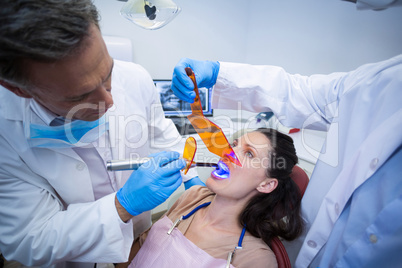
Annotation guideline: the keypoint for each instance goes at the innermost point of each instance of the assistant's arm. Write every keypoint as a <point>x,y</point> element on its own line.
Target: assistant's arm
<point>298,101</point>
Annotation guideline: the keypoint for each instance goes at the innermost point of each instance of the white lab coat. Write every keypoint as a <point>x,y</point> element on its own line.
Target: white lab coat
<point>48,214</point>
<point>361,112</point>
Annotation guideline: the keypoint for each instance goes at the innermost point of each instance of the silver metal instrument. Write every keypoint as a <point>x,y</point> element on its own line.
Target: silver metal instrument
<point>134,164</point>
<point>128,164</point>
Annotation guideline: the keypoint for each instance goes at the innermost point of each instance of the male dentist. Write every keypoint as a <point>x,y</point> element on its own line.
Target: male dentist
<point>66,107</point>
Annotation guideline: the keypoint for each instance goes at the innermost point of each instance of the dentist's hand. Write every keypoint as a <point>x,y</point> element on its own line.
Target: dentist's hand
<point>206,73</point>
<point>151,184</point>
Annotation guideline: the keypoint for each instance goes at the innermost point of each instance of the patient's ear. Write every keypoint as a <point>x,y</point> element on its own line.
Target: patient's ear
<point>267,185</point>
<point>16,90</point>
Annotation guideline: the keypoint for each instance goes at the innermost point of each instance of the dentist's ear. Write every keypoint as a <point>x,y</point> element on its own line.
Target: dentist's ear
<point>268,185</point>
<point>16,90</point>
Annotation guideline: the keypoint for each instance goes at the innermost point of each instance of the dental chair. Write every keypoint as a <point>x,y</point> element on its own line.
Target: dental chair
<point>301,179</point>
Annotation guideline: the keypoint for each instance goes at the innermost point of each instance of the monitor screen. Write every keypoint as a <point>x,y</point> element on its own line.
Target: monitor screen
<point>174,107</point>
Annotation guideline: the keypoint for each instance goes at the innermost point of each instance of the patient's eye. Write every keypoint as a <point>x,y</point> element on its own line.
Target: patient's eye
<point>234,143</point>
<point>249,154</point>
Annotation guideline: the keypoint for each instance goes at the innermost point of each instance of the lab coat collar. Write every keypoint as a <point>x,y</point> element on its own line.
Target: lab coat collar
<point>44,114</point>
<point>11,106</point>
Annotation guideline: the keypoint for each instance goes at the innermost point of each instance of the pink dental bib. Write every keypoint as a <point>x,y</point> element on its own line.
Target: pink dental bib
<point>174,250</point>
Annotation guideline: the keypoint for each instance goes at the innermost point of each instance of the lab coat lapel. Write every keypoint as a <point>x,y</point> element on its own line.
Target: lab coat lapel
<point>78,178</point>
<point>51,164</point>
<point>66,172</point>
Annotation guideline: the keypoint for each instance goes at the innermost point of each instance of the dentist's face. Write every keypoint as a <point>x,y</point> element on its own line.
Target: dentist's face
<point>78,86</point>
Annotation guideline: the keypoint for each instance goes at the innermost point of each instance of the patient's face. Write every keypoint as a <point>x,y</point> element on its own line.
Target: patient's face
<point>252,149</point>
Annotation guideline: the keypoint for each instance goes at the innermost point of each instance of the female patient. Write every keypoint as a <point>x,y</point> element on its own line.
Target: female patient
<point>232,220</point>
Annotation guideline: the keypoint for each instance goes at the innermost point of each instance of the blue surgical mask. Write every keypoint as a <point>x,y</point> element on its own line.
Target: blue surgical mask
<point>78,133</point>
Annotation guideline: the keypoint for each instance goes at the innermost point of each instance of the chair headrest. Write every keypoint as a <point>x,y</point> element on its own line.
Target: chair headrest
<point>300,178</point>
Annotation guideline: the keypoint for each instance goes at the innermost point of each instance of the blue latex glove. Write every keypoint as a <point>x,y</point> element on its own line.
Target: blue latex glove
<point>206,73</point>
<point>152,183</point>
<point>194,181</point>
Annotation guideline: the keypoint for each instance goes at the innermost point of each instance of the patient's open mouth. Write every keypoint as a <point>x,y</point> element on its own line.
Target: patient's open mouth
<point>221,172</point>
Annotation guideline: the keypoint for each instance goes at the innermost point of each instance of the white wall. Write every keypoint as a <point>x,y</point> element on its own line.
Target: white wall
<point>303,36</point>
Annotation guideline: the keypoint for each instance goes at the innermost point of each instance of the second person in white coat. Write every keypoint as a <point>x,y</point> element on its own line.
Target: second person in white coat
<point>353,201</point>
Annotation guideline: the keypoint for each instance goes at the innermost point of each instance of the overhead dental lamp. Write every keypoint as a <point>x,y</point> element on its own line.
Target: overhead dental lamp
<point>150,15</point>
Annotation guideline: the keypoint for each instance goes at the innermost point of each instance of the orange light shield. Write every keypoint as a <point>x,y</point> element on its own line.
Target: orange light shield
<point>189,152</point>
<point>210,133</point>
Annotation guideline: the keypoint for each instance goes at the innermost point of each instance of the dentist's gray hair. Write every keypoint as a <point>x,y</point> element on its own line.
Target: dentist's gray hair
<point>41,30</point>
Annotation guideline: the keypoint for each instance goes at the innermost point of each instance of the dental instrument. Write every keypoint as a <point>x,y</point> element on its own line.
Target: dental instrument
<point>134,164</point>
